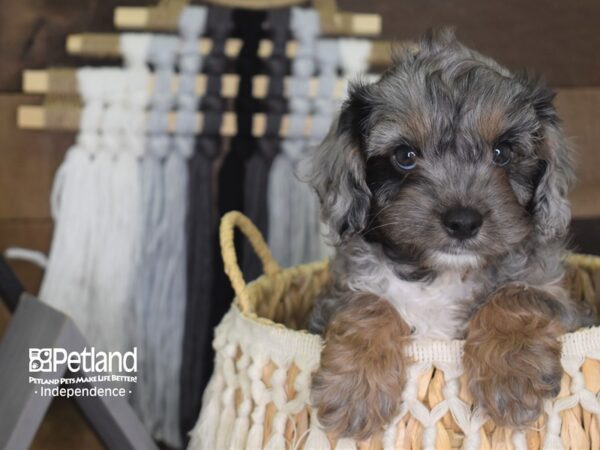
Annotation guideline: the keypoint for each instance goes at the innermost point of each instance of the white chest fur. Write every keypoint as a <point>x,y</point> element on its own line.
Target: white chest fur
<point>433,309</point>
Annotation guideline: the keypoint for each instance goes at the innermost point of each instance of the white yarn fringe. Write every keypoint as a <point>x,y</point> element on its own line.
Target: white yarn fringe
<point>204,434</point>
<point>317,439</point>
<point>240,432</point>
<point>95,205</point>
<point>74,204</point>
<point>276,442</point>
<point>345,444</point>
<point>255,437</point>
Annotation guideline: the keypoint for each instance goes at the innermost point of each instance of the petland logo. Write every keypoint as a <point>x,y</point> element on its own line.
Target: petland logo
<point>49,359</point>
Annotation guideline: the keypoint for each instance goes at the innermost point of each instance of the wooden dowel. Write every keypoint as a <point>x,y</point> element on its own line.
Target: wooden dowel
<point>165,18</point>
<point>31,117</point>
<point>257,4</point>
<point>36,81</point>
<point>66,118</point>
<point>61,81</point>
<point>357,24</point>
<point>134,18</point>
<point>64,82</point>
<point>108,46</point>
<point>103,45</point>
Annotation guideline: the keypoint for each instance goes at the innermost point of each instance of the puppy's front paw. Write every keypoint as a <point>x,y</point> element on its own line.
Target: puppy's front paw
<point>512,384</point>
<point>512,359</point>
<point>358,387</point>
<point>351,403</point>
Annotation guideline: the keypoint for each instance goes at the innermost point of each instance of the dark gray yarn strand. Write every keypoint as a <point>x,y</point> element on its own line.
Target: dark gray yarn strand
<point>202,225</point>
<point>259,164</point>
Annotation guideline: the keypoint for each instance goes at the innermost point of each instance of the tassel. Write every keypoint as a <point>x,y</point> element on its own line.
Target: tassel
<point>389,436</point>
<point>290,232</point>
<point>240,432</point>
<point>202,219</point>
<point>554,442</point>
<point>345,444</point>
<point>227,419</point>
<point>147,316</point>
<point>70,194</point>
<point>276,442</point>
<point>258,391</point>
<point>317,439</point>
<point>242,423</point>
<point>255,437</point>
<point>259,164</point>
<point>277,439</point>
<point>205,432</point>
<point>171,298</point>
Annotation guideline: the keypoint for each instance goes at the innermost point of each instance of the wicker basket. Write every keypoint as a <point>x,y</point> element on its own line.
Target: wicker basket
<point>258,396</point>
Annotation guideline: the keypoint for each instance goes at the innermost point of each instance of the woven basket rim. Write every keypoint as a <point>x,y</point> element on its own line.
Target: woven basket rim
<point>573,344</point>
<point>580,343</point>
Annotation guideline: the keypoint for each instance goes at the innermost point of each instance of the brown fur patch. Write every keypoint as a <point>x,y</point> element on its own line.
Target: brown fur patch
<point>492,123</point>
<point>512,354</point>
<point>358,387</point>
<point>418,128</point>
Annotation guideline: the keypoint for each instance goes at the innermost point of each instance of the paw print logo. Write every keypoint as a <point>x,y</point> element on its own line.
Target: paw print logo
<point>40,360</point>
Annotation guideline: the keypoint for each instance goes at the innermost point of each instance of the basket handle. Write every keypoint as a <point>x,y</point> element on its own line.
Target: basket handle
<point>229,222</point>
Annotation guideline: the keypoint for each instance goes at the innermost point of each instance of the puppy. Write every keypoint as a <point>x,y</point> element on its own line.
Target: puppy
<point>444,186</point>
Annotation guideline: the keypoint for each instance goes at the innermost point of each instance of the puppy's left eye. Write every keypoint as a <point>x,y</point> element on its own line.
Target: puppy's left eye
<point>405,157</point>
<point>502,154</point>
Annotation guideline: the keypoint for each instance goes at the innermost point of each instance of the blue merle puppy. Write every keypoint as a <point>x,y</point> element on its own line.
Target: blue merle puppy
<point>444,186</point>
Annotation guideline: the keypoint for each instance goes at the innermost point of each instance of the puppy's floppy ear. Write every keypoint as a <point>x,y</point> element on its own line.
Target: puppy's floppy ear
<point>336,168</point>
<point>551,208</point>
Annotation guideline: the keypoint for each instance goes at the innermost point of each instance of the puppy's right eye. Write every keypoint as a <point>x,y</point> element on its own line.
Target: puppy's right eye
<point>405,157</point>
<point>502,154</point>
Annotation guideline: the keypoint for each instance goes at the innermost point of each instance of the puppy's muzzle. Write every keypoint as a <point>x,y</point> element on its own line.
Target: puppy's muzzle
<point>462,223</point>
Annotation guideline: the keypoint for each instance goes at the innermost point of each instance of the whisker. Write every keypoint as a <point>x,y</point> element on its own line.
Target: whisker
<point>379,226</point>
<point>376,215</point>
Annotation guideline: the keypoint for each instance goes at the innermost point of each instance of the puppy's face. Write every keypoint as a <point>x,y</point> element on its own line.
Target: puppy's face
<point>451,164</point>
<point>448,161</point>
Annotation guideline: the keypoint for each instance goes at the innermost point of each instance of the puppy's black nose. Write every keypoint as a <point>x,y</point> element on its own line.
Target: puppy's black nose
<point>462,223</point>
